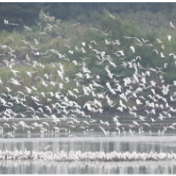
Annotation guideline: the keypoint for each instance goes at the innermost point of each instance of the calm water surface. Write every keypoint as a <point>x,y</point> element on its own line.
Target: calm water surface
<point>42,167</point>
<point>89,141</point>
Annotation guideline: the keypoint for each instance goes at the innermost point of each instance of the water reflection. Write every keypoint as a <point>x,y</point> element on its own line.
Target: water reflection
<point>106,144</point>
<point>43,167</point>
<point>88,141</point>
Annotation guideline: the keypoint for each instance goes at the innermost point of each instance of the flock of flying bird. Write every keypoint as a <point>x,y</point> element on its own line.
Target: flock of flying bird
<point>65,110</point>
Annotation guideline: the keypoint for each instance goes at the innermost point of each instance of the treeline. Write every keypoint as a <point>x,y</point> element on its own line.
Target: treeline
<point>95,45</point>
<point>28,13</point>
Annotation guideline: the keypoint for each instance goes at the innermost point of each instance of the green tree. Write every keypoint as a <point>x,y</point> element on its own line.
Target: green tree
<point>20,13</point>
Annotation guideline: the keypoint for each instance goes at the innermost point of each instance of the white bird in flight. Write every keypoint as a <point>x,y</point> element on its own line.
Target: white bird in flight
<point>132,48</point>
<point>171,24</point>
<point>169,37</point>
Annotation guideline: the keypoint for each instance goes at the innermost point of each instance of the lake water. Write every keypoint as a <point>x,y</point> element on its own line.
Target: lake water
<point>89,141</point>
<point>125,143</point>
<point>43,167</point>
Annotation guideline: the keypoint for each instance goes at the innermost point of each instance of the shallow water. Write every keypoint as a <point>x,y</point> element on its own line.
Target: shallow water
<point>106,144</point>
<point>89,141</point>
<point>125,143</point>
<point>43,167</point>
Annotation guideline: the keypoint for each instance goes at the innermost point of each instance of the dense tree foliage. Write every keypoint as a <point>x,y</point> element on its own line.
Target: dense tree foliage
<point>94,22</point>
<point>20,13</point>
<point>28,13</point>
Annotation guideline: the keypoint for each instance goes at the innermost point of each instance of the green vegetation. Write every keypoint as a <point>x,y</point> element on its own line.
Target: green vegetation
<point>64,38</point>
<point>154,15</point>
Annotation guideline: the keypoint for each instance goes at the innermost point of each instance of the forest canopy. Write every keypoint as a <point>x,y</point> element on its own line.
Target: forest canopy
<point>86,38</point>
<point>28,13</point>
